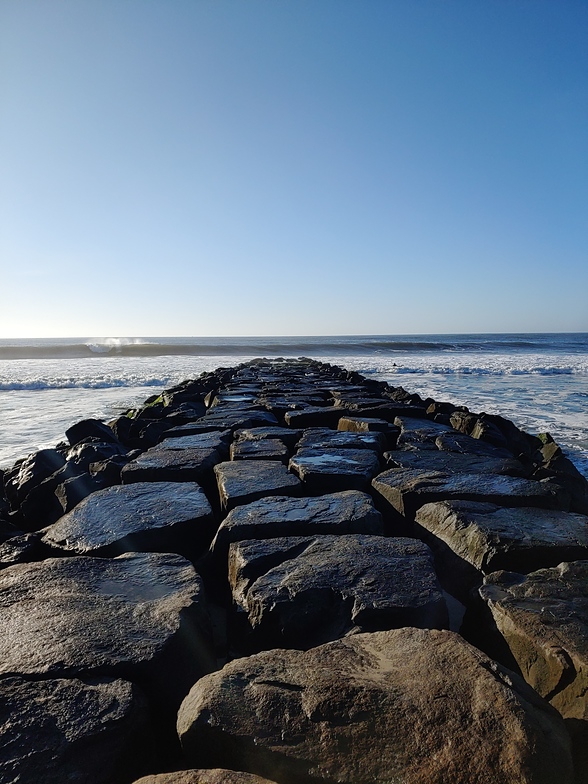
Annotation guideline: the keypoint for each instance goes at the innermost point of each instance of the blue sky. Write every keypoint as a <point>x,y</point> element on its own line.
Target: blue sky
<point>293,167</point>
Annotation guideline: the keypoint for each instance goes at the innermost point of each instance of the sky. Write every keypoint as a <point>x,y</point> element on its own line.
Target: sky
<point>293,167</point>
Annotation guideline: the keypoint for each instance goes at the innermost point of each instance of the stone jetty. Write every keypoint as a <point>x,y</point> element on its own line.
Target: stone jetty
<point>287,572</point>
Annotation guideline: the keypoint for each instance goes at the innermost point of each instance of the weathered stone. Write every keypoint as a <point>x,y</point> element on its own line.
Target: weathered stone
<point>139,616</point>
<point>464,444</point>
<point>543,618</point>
<point>329,470</point>
<point>22,548</point>
<point>215,439</point>
<point>29,473</point>
<point>324,438</point>
<point>454,462</point>
<point>244,481</point>
<point>169,464</point>
<point>261,449</point>
<point>406,490</point>
<point>285,434</point>
<point>348,512</point>
<point>145,516</point>
<point>420,433</point>
<point>299,592</point>
<point>76,488</point>
<point>472,539</point>
<point>238,419</point>
<point>314,416</point>
<point>91,428</point>
<point>58,731</point>
<point>408,705</point>
<point>211,776</point>
<point>358,424</point>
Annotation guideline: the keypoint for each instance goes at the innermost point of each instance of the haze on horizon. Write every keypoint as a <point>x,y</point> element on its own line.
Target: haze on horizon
<point>301,167</point>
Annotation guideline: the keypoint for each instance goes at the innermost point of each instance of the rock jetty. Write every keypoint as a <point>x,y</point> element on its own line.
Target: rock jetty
<point>287,572</point>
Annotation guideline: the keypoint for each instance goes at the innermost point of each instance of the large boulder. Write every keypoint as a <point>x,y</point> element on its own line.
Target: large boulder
<point>56,731</point>
<point>454,462</point>
<point>167,462</point>
<point>348,512</point>
<point>214,776</point>
<point>260,449</point>
<point>244,481</point>
<point>323,438</point>
<point>407,489</point>
<point>327,470</point>
<point>164,517</point>
<point>298,592</point>
<point>141,617</point>
<point>409,706</point>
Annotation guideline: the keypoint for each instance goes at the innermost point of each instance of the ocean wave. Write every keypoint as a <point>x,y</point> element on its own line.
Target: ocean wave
<point>35,385</point>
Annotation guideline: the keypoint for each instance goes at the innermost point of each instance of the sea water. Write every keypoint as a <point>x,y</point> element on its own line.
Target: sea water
<point>539,381</point>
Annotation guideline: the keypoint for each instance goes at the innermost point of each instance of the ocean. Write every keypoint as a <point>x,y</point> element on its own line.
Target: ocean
<point>539,381</point>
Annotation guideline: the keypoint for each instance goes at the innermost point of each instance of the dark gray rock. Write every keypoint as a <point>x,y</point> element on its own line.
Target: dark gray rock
<point>91,428</point>
<point>472,539</point>
<point>299,592</point>
<point>211,776</point>
<point>243,481</point>
<point>420,433</point>
<point>145,517</point>
<point>323,438</point>
<point>348,512</point>
<point>236,419</point>
<point>169,464</point>
<point>408,705</point>
<point>76,488</point>
<point>180,438</point>
<point>285,434</point>
<point>357,424</point>
<point>454,462</point>
<point>22,548</point>
<point>464,444</point>
<point>29,473</point>
<point>261,449</point>
<point>57,731</point>
<point>314,416</point>
<point>140,617</point>
<point>406,490</point>
<point>330,470</point>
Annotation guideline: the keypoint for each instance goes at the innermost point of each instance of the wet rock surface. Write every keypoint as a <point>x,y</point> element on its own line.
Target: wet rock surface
<point>143,517</point>
<point>319,527</point>
<point>347,512</point>
<point>387,706</point>
<point>300,591</point>
<point>72,730</point>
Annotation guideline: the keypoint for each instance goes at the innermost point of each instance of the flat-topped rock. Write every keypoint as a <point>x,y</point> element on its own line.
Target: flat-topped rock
<point>215,439</point>
<point>329,470</point>
<point>243,481</point>
<point>237,419</point>
<point>210,776</point>
<point>406,490</point>
<point>314,416</point>
<point>358,424</point>
<point>170,464</point>
<point>285,434</point>
<point>57,731</point>
<point>303,591</point>
<point>455,462</point>
<point>420,433</point>
<point>144,516</point>
<point>490,537</point>
<point>324,438</point>
<point>139,616</point>
<point>407,705</point>
<point>347,512</point>
<point>260,449</point>
<point>464,444</point>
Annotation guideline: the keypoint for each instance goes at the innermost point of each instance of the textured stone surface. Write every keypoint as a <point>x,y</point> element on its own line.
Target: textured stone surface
<point>210,776</point>
<point>285,434</point>
<point>58,731</point>
<point>260,449</point>
<point>328,470</point>
<point>139,616</point>
<point>420,432</point>
<point>323,438</point>
<point>244,481</point>
<point>409,705</point>
<point>168,463</point>
<point>406,490</point>
<point>488,538</point>
<point>314,416</point>
<point>348,512</point>
<point>543,617</point>
<point>454,462</point>
<point>302,591</point>
<point>145,516</point>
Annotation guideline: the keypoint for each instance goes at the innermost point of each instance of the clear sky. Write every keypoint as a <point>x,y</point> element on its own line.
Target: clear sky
<point>293,167</point>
